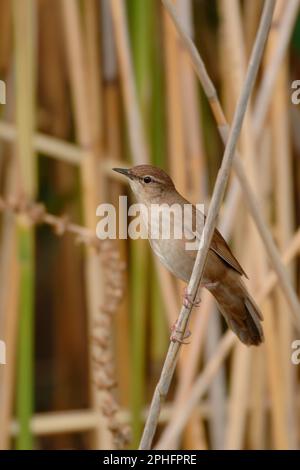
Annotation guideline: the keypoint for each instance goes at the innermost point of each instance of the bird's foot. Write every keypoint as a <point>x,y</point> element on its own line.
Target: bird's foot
<point>188,302</point>
<point>175,335</point>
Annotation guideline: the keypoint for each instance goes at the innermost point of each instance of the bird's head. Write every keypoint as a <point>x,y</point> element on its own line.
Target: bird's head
<point>147,182</point>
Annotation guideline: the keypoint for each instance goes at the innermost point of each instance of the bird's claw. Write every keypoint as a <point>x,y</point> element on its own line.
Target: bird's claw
<point>175,335</point>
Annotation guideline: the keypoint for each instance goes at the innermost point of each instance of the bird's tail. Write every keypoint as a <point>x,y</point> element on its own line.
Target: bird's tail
<point>240,311</point>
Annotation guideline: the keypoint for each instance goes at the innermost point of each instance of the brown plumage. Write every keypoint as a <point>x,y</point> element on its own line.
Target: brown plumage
<point>222,274</point>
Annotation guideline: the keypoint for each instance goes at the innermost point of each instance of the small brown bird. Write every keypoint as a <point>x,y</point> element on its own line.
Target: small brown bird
<point>222,274</point>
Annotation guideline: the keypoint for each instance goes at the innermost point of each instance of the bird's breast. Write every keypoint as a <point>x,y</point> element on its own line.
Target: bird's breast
<point>172,251</point>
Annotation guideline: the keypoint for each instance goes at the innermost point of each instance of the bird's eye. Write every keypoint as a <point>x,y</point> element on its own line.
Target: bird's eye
<point>147,179</point>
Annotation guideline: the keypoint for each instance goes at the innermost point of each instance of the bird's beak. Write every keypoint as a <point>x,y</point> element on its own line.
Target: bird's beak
<point>123,171</point>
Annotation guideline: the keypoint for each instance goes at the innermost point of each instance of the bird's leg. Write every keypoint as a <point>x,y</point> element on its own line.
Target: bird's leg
<point>175,332</point>
<point>187,300</point>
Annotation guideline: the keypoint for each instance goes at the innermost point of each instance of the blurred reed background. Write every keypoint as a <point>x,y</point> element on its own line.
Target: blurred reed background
<point>95,84</point>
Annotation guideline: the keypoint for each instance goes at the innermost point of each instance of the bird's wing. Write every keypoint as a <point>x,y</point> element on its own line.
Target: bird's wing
<point>220,247</point>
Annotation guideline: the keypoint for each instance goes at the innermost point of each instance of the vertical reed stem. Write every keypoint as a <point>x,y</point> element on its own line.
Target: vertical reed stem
<point>24,31</point>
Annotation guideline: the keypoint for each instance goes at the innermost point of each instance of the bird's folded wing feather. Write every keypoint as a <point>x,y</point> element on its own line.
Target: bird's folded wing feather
<point>219,246</point>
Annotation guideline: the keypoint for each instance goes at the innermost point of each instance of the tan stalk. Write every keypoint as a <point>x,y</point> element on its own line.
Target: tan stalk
<point>284,207</point>
<point>175,129</point>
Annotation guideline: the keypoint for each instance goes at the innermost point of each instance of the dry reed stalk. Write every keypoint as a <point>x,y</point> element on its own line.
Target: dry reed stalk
<point>265,92</point>
<point>279,424</point>
<point>135,129</point>
<point>233,28</point>
<point>194,436</point>
<point>140,154</point>
<point>295,119</point>
<point>270,246</point>
<point>141,20</point>
<point>285,210</point>
<point>289,253</point>
<point>9,282</point>
<point>258,418</point>
<point>216,394</point>
<point>250,198</point>
<point>133,114</point>
<point>91,16</point>
<point>58,147</point>
<point>170,363</point>
<point>85,136</point>
<point>54,118</point>
<point>217,391</point>
<point>173,305</point>
<point>36,214</point>
<point>282,395</point>
<point>184,134</point>
<point>113,148</point>
<point>235,72</point>
<point>238,397</point>
<point>274,389</point>
<point>285,29</point>
<point>198,325</point>
<point>25,42</point>
<point>138,143</point>
<point>174,105</point>
<point>103,348</point>
<point>175,127</point>
<point>53,100</point>
<point>252,11</point>
<point>6,35</point>
<point>178,420</point>
<point>195,152</point>
<point>192,356</point>
<point>56,422</point>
